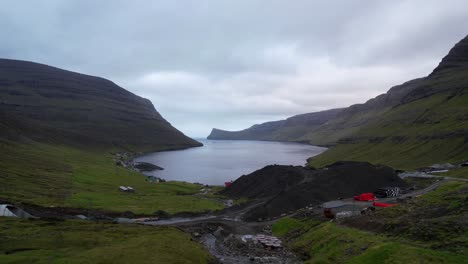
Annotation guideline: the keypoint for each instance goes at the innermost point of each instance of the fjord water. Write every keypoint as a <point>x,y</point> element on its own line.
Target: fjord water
<point>219,161</point>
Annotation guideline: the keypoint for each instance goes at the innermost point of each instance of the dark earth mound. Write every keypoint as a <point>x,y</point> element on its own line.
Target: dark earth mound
<point>288,188</point>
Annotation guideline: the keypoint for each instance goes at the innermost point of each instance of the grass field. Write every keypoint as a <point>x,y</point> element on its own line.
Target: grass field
<point>51,175</point>
<point>38,241</point>
<point>436,219</point>
<point>330,243</point>
<point>457,173</point>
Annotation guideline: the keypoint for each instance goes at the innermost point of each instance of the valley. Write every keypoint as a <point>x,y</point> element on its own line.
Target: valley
<point>68,141</point>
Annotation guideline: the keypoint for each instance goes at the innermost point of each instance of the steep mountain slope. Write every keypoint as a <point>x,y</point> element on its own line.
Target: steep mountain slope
<point>417,123</point>
<point>351,119</point>
<point>59,131</point>
<point>47,104</point>
<point>427,124</point>
<point>291,129</point>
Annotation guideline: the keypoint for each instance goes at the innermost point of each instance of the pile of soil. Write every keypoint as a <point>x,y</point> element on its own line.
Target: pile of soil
<point>266,182</point>
<point>288,188</point>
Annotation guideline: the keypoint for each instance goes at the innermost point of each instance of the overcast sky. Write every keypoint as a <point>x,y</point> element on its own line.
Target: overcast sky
<point>231,64</point>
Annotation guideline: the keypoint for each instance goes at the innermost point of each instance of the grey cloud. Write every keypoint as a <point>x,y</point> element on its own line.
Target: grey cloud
<point>230,64</point>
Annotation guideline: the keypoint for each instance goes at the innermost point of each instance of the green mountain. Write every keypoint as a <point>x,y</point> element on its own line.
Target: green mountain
<point>418,123</point>
<point>425,123</point>
<point>291,129</point>
<point>51,105</point>
<point>60,131</point>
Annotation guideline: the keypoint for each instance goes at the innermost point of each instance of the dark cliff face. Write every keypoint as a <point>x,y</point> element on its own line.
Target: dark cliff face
<point>47,104</point>
<point>290,129</point>
<point>456,58</point>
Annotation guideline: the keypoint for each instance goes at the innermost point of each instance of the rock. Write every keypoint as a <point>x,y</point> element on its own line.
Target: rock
<point>218,232</point>
<point>144,166</point>
<point>82,217</point>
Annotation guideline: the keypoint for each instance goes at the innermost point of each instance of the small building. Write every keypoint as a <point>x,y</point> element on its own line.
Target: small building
<point>346,214</point>
<point>331,208</point>
<point>126,189</point>
<point>438,167</point>
<point>227,184</point>
<point>444,166</point>
<point>13,211</point>
<point>340,209</point>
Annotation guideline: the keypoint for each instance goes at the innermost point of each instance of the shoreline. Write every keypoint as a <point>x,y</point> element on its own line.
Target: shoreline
<point>304,142</point>
<point>278,153</point>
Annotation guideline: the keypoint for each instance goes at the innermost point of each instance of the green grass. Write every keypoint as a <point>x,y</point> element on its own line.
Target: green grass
<point>37,241</point>
<point>286,225</point>
<point>456,173</point>
<point>436,219</point>
<point>419,183</point>
<point>51,175</point>
<point>330,243</point>
<point>450,194</point>
<point>420,133</point>
<point>407,156</point>
<point>394,252</point>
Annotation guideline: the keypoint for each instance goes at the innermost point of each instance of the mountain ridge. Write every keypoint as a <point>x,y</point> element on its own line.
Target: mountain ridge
<point>399,128</point>
<point>48,104</point>
<point>278,130</point>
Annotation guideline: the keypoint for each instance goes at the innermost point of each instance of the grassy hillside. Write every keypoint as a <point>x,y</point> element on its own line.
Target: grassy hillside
<point>330,243</point>
<point>64,176</point>
<point>38,241</point>
<point>420,123</point>
<point>436,219</point>
<point>430,229</point>
<point>457,173</point>
<point>58,133</point>
<point>291,129</point>
<point>57,130</point>
<point>426,131</point>
<point>55,106</point>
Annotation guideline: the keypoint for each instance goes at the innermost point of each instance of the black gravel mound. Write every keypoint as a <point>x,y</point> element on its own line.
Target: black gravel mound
<point>287,188</point>
<point>266,182</point>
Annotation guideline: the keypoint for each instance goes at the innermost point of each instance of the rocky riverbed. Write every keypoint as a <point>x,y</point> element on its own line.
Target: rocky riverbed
<point>233,242</point>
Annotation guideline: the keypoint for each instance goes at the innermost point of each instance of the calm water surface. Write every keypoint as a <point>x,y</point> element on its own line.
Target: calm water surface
<point>219,161</point>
